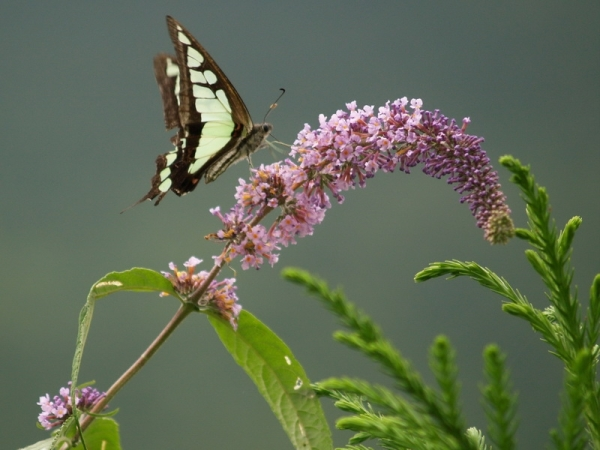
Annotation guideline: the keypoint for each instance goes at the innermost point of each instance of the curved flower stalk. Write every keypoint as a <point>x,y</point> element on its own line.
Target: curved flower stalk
<point>345,151</point>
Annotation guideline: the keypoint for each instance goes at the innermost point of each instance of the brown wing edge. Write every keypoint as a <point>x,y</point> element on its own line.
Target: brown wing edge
<point>166,86</point>
<point>179,115</point>
<point>161,163</point>
<point>239,109</point>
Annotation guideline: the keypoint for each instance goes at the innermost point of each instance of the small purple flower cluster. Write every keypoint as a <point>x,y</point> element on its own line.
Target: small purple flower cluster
<point>220,296</point>
<point>346,150</point>
<point>56,411</point>
<point>271,186</point>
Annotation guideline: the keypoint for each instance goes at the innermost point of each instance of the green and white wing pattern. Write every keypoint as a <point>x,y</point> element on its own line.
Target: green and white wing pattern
<point>215,128</point>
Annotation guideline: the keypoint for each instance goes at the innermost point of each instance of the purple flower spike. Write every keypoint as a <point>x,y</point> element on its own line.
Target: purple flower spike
<point>460,156</point>
<point>352,146</point>
<point>345,151</point>
<point>56,411</point>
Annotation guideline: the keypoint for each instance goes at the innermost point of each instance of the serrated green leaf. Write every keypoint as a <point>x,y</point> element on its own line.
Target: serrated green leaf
<point>280,379</point>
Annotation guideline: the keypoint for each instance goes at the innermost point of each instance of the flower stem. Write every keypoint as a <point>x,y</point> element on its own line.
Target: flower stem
<point>182,313</point>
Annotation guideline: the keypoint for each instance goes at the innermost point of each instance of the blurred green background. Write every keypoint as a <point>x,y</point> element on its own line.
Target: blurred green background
<point>81,124</point>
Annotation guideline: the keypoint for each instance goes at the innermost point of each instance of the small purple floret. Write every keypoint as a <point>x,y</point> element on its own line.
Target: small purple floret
<point>220,295</point>
<point>56,411</point>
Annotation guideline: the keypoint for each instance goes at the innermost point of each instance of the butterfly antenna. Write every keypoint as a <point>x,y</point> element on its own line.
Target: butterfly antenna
<point>274,105</point>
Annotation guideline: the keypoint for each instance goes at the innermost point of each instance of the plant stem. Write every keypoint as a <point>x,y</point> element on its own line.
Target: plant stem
<point>182,313</point>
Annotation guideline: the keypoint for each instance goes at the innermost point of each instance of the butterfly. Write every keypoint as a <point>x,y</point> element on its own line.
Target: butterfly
<point>215,129</point>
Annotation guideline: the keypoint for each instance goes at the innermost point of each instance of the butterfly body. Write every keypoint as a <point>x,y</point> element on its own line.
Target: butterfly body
<point>214,126</point>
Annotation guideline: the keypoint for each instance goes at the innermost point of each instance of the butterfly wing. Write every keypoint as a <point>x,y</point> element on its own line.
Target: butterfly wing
<point>213,117</point>
<point>203,88</point>
<point>166,70</point>
<point>201,102</point>
<point>214,126</point>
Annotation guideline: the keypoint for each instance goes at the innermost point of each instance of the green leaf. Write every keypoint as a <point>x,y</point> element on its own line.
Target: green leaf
<point>572,432</point>
<point>565,240</point>
<point>102,434</point>
<point>500,400</point>
<point>536,262</point>
<point>280,379</point>
<point>442,360</point>
<point>135,280</point>
<point>593,321</point>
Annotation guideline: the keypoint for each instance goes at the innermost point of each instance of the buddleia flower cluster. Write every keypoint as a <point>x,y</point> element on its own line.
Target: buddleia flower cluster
<point>57,410</point>
<point>219,296</point>
<point>344,152</point>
